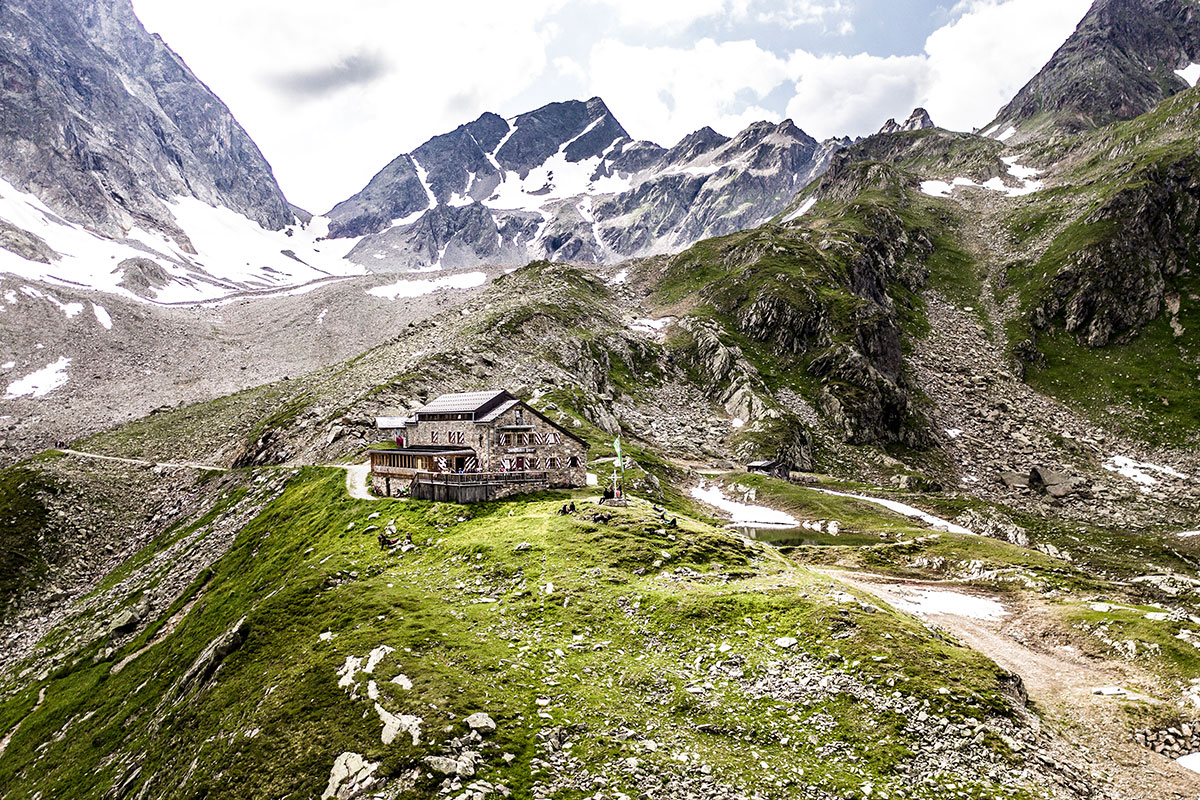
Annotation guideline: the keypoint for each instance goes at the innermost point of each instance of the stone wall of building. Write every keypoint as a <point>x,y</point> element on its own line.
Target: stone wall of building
<point>544,442</point>
<point>389,486</point>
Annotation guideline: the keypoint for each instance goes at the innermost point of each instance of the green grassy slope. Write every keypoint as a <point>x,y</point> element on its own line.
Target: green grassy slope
<point>1114,292</point>
<point>624,640</point>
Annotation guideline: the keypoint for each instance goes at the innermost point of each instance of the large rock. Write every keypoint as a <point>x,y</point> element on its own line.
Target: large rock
<point>481,722</point>
<point>350,777</point>
<point>1054,483</point>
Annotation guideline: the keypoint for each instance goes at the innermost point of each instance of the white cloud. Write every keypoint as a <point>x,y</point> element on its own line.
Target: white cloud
<point>665,93</point>
<point>853,95</point>
<point>794,13</point>
<point>980,61</point>
<point>676,13</point>
<point>663,13</point>
<point>332,97</point>
<point>440,65</point>
<point>970,68</point>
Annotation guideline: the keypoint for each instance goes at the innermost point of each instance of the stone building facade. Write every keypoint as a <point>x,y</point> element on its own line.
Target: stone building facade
<point>487,433</point>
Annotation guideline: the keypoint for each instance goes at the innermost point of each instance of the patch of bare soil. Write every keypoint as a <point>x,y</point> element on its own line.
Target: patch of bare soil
<point>1031,641</point>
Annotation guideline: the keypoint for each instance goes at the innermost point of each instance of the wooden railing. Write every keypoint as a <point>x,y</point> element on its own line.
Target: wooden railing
<point>480,478</point>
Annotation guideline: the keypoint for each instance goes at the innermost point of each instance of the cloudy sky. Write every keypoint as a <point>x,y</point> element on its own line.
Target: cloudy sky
<point>333,91</point>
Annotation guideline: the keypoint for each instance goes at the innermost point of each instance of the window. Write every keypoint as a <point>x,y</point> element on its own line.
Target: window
<point>552,462</point>
<point>552,438</point>
<point>433,437</point>
<point>575,461</point>
<point>456,437</point>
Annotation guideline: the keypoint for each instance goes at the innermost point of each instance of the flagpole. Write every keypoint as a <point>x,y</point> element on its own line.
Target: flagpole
<point>620,462</point>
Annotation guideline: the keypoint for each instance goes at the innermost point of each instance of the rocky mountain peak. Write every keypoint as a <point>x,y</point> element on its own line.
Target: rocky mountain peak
<point>566,181</point>
<point>1124,58</point>
<point>694,144</point>
<point>918,120</point>
<point>578,129</point>
<point>142,129</point>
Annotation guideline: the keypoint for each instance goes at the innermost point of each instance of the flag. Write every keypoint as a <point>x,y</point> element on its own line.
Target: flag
<point>617,447</point>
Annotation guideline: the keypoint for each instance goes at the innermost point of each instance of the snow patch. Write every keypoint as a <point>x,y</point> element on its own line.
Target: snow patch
<point>1191,74</point>
<point>69,309</point>
<point>939,602</point>
<point>234,253</point>
<point>647,325</point>
<point>402,681</point>
<point>619,278</point>
<point>804,208</point>
<point>1026,175</point>
<point>41,382</point>
<point>102,316</point>
<point>417,288</point>
<point>1008,134</point>
<point>1191,760</point>
<point>936,188</point>
<point>936,523</point>
<point>742,513</point>
<point>1139,471</point>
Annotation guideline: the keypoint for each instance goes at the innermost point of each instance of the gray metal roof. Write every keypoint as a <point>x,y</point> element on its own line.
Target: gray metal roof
<point>498,410</point>
<point>460,402</point>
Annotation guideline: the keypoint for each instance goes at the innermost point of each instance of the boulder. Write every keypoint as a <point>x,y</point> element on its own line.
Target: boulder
<point>481,722</point>
<point>1015,480</point>
<point>350,777</point>
<point>1054,483</point>
<point>446,766</point>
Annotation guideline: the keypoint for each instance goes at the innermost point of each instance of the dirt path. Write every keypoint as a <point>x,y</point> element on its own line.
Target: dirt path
<point>357,475</point>
<point>139,462</point>
<point>1031,641</point>
<point>356,480</point>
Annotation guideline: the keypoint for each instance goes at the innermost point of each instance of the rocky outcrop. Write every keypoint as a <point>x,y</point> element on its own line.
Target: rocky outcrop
<point>731,380</point>
<point>209,661</point>
<point>1128,255</point>
<point>103,122</point>
<point>918,120</point>
<point>1173,741</point>
<point>824,311</point>
<point>27,245</point>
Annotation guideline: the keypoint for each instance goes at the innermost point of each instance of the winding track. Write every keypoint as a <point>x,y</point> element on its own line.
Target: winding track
<point>357,475</point>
